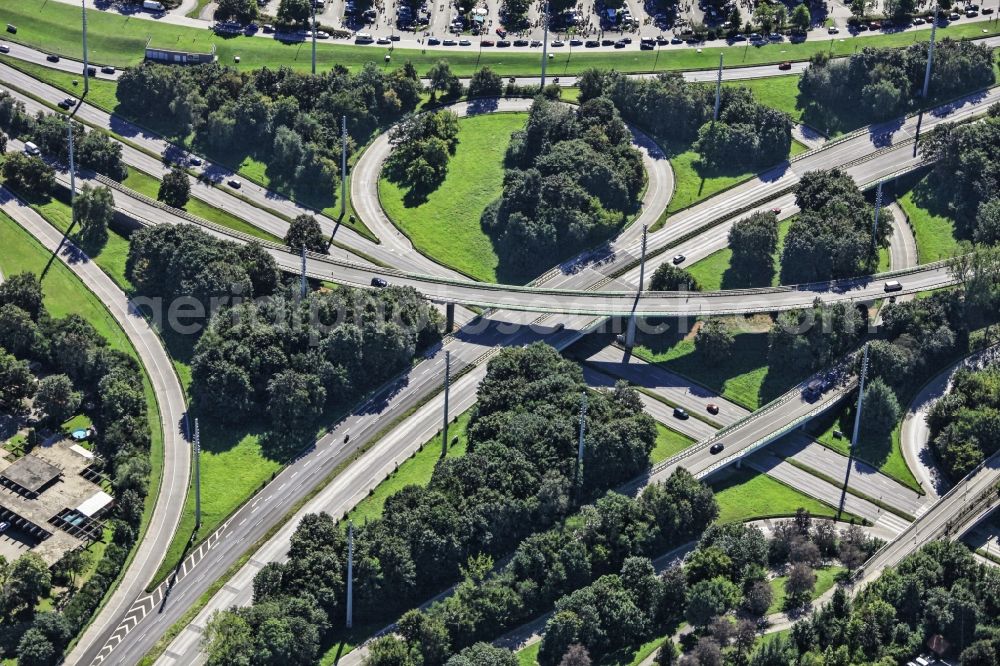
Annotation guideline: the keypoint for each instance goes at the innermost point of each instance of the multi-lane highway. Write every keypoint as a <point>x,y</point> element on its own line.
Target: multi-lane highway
<point>598,270</point>
<point>170,400</point>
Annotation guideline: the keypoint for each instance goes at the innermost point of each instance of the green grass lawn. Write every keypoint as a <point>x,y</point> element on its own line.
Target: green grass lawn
<point>119,40</point>
<point>111,258</point>
<point>143,183</point>
<point>692,182</point>
<point>102,91</point>
<point>528,656</point>
<point>415,471</point>
<point>233,467</point>
<point>446,226</point>
<point>779,92</point>
<point>714,272</point>
<point>883,452</point>
<point>933,229</point>
<point>746,495</point>
<point>668,443</point>
<point>826,577</point>
<point>746,379</point>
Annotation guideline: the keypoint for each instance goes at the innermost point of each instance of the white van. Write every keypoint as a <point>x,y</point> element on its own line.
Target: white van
<point>31,148</point>
<point>363,38</point>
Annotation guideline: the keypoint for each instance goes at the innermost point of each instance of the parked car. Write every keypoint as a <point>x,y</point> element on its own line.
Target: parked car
<point>4,526</point>
<point>268,28</point>
<point>918,21</point>
<point>464,42</point>
<point>987,10</point>
<point>486,42</point>
<point>433,41</point>
<point>91,71</point>
<point>717,448</point>
<point>379,282</point>
<point>502,33</point>
<point>194,161</point>
<point>620,44</point>
<point>607,42</point>
<point>833,30</point>
<point>557,42</point>
<point>520,42</point>
<point>107,69</point>
<point>592,44</point>
<point>502,43</point>
<point>11,28</point>
<point>576,42</point>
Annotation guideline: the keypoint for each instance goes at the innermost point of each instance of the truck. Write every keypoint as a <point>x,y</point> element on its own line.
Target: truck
<point>152,5</point>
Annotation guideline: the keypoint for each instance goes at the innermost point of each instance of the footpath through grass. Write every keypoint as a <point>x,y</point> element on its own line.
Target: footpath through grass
<point>746,495</point>
<point>446,225</point>
<point>117,39</point>
<point>933,229</point>
<point>826,578</point>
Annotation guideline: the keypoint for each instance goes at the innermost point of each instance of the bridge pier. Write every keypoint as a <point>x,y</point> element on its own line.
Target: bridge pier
<point>449,317</point>
<point>739,463</point>
<point>630,333</point>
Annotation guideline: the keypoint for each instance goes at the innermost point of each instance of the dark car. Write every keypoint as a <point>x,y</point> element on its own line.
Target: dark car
<point>607,42</point>
<point>91,71</point>
<point>108,69</point>
<point>712,408</point>
<point>620,44</point>
<point>52,57</point>
<point>268,28</point>
<point>501,32</point>
<point>785,66</point>
<point>11,28</point>
<point>717,448</point>
<point>646,46</point>
<point>235,184</point>
<point>486,42</point>
<point>379,282</point>
<point>4,48</point>
<point>592,44</point>
<point>680,413</point>
<point>576,42</point>
<point>433,41</point>
<point>67,103</point>
<point>502,43</point>
<point>987,10</point>
<point>520,42</point>
<point>194,161</point>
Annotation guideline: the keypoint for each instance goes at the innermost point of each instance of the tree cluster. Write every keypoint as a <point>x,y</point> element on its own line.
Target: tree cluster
<point>572,177</point>
<point>91,150</point>
<point>808,340</point>
<point>965,423</point>
<point>966,175</point>
<point>515,480</point>
<point>754,241</point>
<point>421,147</point>
<point>938,591</point>
<point>831,237</point>
<point>880,83</point>
<point>288,120</point>
<point>747,134</point>
<point>80,370</point>
<point>604,553</point>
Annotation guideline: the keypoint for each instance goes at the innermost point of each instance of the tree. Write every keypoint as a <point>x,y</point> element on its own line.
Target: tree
<point>485,83</point>
<point>668,277</point>
<point>667,655</point>
<point>34,649</point>
<point>18,333</point>
<point>29,581</point>
<point>880,408</point>
<point>443,81</point>
<point>576,655</point>
<point>304,231</point>
<point>295,399</point>
<point>294,12</point>
<point>754,242</point>
<point>988,222</point>
<point>16,382</point>
<point>99,152</point>
<point>3,143</point>
<point>175,188</point>
<point>758,599</point>
<point>56,399</point>
<point>714,342</point>
<point>28,174</point>
<point>24,291</point>
<point>483,654</point>
<point>858,8</point>
<point>228,640</point>
<point>801,19</point>
<point>799,585</point>
<point>241,11</point>
<point>709,599</point>
<point>94,209</point>
<point>388,651</point>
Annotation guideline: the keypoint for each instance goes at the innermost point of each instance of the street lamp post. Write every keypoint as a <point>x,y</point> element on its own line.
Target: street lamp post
<point>86,68</point>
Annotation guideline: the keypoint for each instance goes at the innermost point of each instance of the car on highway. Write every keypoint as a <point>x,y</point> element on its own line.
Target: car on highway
<point>234,183</point>
<point>717,448</point>
<point>379,282</point>
<point>678,259</point>
<point>712,408</point>
<point>107,69</point>
<point>785,66</point>
<point>893,285</point>
<point>680,413</point>
<point>52,57</point>
<point>67,103</point>
<point>4,48</point>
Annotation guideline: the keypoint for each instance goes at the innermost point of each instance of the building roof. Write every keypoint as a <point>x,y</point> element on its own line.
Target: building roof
<point>95,503</point>
<point>30,474</point>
